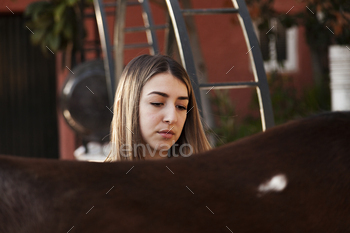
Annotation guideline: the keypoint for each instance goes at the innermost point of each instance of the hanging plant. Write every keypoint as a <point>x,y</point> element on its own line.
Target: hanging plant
<point>55,24</point>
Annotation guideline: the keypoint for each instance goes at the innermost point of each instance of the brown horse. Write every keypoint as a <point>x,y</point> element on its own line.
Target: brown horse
<point>291,178</point>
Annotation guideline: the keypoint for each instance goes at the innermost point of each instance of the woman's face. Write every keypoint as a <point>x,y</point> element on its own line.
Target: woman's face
<point>163,111</point>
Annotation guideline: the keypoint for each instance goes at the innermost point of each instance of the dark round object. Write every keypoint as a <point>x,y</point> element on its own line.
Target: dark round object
<point>84,101</point>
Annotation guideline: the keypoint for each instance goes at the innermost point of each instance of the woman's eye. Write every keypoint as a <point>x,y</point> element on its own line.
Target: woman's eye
<point>156,104</point>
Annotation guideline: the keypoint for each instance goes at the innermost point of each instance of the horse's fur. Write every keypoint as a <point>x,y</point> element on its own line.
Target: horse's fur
<point>216,191</point>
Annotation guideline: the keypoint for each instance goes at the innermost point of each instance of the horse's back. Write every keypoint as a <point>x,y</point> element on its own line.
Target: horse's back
<point>291,178</point>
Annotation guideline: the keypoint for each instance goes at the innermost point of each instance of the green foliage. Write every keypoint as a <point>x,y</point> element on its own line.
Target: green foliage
<point>54,23</point>
<point>287,105</point>
<point>334,14</point>
<point>320,14</point>
<point>225,115</point>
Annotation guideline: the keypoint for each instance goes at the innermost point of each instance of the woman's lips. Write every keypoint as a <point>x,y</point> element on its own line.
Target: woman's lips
<point>166,135</point>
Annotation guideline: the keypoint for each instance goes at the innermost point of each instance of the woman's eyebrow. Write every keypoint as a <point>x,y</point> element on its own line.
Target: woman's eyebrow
<point>166,95</point>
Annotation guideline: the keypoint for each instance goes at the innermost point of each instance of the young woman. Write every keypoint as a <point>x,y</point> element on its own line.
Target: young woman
<point>155,112</point>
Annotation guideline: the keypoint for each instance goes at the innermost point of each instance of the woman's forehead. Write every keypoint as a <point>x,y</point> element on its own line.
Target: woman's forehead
<point>165,83</point>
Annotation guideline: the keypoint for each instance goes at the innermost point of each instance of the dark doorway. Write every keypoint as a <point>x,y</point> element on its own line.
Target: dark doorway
<point>28,121</point>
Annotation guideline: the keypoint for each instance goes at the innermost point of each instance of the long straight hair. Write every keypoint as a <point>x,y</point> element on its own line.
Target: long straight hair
<point>125,126</point>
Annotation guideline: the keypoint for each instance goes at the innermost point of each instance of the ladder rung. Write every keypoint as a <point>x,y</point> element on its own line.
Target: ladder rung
<point>138,29</point>
<point>209,11</point>
<point>208,86</point>
<point>135,46</point>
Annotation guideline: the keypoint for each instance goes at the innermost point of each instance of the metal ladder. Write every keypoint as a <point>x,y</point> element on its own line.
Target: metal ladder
<point>114,67</point>
<point>177,28</point>
<point>182,39</point>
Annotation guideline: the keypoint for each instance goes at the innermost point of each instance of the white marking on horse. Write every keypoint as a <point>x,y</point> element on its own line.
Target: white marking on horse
<point>275,184</point>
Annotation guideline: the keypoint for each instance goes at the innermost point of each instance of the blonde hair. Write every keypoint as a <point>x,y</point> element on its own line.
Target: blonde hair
<point>125,127</point>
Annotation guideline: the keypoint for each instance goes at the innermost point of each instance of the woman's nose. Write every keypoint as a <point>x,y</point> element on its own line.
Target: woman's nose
<point>170,115</point>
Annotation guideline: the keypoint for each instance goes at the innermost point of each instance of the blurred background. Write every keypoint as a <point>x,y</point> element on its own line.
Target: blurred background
<point>53,96</point>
